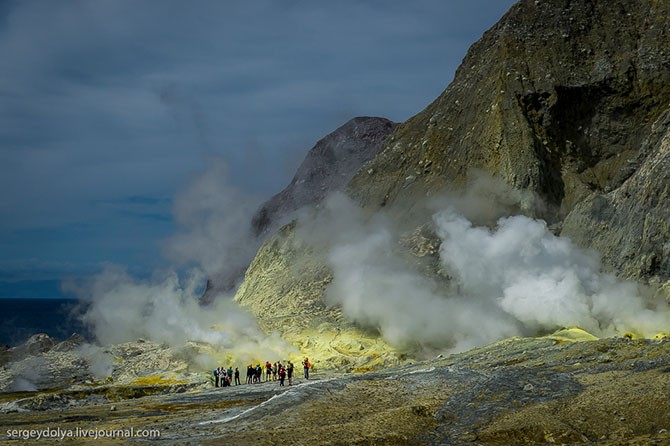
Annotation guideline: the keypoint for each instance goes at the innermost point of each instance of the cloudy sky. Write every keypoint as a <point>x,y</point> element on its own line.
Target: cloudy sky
<point>109,108</point>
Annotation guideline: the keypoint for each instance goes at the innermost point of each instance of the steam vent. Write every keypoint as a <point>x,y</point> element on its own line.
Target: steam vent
<point>495,270</point>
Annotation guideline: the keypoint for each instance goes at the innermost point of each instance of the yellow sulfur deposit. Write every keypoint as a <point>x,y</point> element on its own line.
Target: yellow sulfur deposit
<point>572,334</point>
<point>156,380</point>
<point>330,348</point>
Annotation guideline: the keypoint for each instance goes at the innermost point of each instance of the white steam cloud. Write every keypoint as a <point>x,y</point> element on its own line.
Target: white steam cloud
<point>215,236</point>
<point>541,280</point>
<point>100,363</point>
<point>514,278</point>
<point>167,310</point>
<point>215,226</point>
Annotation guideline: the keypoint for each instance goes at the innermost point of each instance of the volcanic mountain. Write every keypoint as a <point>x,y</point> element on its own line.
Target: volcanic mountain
<point>563,106</point>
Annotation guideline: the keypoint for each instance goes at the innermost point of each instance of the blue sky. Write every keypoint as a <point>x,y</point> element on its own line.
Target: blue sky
<point>110,108</point>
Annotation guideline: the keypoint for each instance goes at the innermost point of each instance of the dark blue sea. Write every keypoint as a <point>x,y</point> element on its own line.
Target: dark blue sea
<point>22,318</point>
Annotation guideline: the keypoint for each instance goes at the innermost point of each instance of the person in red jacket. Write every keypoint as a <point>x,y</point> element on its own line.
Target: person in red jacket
<point>268,370</point>
<point>282,375</point>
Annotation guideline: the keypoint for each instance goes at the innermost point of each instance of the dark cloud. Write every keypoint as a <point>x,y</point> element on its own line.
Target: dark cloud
<point>101,101</point>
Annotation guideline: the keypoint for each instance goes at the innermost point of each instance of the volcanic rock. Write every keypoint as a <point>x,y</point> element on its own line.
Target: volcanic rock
<point>38,343</point>
<point>71,343</point>
<point>72,363</point>
<point>630,225</point>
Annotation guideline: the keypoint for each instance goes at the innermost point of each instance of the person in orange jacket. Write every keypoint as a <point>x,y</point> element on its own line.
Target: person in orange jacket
<point>306,366</point>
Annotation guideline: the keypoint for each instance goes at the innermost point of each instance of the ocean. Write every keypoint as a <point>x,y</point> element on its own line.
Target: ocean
<point>22,318</point>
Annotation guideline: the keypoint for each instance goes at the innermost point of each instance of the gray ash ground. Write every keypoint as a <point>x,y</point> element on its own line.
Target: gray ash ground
<point>517,391</point>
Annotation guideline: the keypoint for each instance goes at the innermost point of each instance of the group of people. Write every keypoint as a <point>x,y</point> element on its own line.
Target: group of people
<point>224,377</point>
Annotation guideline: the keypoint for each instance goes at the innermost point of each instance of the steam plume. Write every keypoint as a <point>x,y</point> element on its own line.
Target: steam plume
<point>513,278</point>
<point>541,280</point>
<point>214,221</point>
<point>215,237</point>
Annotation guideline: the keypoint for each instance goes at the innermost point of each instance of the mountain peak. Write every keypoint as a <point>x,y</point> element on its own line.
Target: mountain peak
<point>328,167</point>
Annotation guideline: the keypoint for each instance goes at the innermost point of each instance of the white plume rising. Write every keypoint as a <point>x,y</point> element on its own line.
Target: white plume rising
<point>516,278</point>
<point>214,240</point>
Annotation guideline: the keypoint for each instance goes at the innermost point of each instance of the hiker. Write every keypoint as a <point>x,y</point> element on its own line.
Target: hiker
<point>237,376</point>
<point>282,376</point>
<point>274,371</point>
<point>259,373</point>
<point>225,381</point>
<point>216,377</point>
<point>268,370</point>
<point>289,372</point>
<point>250,374</point>
<point>229,372</point>
<point>306,365</point>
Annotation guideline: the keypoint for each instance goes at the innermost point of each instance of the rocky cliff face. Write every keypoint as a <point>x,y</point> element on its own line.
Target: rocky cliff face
<point>630,224</point>
<point>558,98</point>
<point>565,100</point>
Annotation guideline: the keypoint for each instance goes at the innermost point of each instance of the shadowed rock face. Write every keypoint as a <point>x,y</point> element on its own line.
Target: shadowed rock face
<point>328,167</point>
<point>630,225</point>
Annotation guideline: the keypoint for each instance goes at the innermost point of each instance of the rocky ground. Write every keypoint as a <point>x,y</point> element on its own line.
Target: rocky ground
<point>549,390</point>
